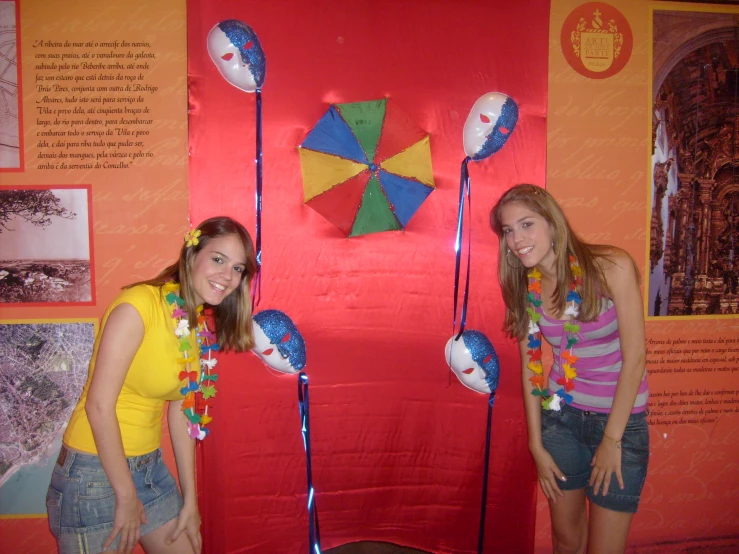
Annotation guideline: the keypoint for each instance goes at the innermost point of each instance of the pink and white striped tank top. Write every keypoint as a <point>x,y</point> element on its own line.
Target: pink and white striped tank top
<point>599,361</point>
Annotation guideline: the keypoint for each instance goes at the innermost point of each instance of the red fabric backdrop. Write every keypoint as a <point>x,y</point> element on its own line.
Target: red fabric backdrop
<point>397,443</point>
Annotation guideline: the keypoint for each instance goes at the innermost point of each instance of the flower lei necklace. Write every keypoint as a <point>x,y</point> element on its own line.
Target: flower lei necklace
<point>199,386</point>
<point>571,330</point>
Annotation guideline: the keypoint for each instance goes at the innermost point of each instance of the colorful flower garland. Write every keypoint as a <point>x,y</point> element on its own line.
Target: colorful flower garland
<point>571,330</point>
<point>199,386</point>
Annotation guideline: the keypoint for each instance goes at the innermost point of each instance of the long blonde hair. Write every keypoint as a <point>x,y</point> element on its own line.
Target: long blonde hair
<point>512,273</point>
<point>233,315</point>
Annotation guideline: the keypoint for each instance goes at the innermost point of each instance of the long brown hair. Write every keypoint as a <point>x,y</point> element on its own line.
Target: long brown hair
<point>512,273</point>
<point>233,315</point>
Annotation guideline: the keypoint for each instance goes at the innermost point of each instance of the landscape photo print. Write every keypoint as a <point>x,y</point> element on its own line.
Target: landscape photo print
<point>46,245</point>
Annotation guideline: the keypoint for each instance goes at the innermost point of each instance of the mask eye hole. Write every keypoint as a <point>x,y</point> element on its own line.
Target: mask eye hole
<point>268,351</point>
<point>484,118</point>
<point>227,56</point>
<point>248,45</point>
<point>504,130</point>
<point>487,358</point>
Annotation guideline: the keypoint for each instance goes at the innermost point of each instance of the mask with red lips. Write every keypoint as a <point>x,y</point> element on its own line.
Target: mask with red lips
<point>489,125</point>
<point>237,53</point>
<point>474,361</point>
<point>277,342</point>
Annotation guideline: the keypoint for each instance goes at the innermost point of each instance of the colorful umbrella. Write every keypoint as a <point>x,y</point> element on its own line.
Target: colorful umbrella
<point>366,167</point>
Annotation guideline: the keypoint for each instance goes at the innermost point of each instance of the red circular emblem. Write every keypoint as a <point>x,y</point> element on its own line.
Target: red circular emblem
<point>596,40</point>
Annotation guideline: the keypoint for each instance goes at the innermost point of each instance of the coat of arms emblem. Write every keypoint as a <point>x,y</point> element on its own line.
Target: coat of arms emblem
<point>596,46</point>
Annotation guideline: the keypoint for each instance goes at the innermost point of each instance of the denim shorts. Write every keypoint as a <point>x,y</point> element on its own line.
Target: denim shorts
<point>571,436</point>
<point>81,502</point>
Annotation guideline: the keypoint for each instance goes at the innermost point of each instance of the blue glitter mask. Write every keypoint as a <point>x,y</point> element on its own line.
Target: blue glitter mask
<point>245,39</point>
<point>483,353</point>
<point>496,139</point>
<point>277,326</point>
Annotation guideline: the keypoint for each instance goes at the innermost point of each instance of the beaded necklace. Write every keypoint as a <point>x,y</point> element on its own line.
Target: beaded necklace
<point>571,330</point>
<point>199,386</point>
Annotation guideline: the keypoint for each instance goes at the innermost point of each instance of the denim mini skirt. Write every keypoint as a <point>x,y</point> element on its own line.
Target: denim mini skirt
<point>81,502</point>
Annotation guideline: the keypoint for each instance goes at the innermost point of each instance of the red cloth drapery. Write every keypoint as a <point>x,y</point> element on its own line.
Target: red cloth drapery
<point>397,441</point>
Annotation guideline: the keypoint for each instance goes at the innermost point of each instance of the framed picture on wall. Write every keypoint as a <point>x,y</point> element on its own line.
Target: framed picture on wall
<point>11,139</point>
<point>46,246</point>
<point>43,367</point>
<point>694,194</point>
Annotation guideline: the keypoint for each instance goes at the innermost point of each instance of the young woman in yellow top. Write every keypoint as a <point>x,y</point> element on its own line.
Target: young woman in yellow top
<point>110,486</point>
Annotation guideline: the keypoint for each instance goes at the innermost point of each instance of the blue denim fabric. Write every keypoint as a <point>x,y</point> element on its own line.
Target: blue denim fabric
<point>571,436</point>
<point>81,502</point>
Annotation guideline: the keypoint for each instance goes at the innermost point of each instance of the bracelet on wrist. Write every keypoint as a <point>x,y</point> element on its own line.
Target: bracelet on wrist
<point>616,442</point>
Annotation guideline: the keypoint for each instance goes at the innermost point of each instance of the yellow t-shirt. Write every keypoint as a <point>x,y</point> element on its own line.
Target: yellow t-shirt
<point>152,379</point>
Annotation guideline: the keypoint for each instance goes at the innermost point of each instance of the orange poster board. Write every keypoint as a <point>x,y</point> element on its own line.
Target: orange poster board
<point>101,173</point>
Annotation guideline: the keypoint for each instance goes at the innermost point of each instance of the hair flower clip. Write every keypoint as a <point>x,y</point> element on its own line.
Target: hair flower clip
<point>191,237</point>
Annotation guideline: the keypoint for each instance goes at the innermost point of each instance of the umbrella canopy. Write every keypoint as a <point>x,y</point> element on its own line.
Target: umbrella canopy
<point>366,167</point>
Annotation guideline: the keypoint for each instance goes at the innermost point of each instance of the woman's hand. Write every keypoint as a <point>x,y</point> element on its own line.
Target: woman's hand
<point>606,462</point>
<point>189,522</point>
<point>548,472</point>
<point>129,516</point>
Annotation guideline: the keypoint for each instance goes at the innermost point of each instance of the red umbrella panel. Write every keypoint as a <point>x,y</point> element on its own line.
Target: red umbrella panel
<point>366,167</point>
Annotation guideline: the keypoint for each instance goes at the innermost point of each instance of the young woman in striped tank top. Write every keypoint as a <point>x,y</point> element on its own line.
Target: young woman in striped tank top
<point>586,419</point>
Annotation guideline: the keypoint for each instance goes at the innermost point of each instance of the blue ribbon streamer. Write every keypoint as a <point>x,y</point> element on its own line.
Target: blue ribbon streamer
<point>464,189</point>
<point>486,463</point>
<point>257,283</point>
<point>314,535</point>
